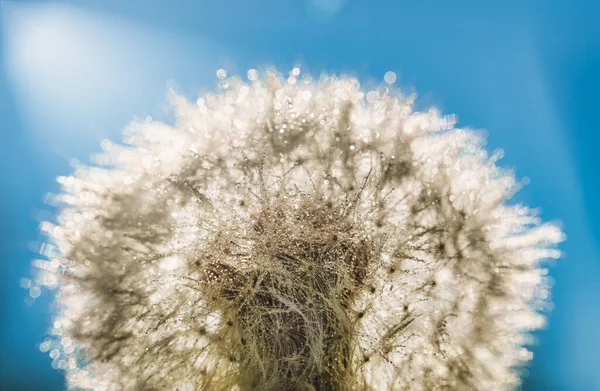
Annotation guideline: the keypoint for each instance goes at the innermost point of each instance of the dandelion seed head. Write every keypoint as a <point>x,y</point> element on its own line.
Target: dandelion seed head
<point>289,234</point>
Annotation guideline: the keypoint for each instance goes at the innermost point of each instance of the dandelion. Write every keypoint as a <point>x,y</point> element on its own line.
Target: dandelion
<point>296,234</point>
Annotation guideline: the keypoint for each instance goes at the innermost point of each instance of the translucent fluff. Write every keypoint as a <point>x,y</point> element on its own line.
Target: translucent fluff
<point>295,234</point>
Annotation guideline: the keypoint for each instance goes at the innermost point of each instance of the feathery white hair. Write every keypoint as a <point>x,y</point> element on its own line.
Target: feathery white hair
<point>290,234</point>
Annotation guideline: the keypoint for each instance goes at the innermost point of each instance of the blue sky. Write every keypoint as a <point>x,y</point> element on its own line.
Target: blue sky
<point>75,72</point>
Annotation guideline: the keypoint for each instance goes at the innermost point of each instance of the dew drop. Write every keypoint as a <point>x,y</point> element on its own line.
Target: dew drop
<point>389,77</point>
<point>221,74</point>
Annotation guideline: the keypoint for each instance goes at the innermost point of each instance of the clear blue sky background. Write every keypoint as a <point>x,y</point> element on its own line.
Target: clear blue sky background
<point>75,72</point>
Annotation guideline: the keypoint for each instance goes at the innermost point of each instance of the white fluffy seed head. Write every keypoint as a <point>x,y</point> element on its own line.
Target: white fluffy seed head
<point>303,235</point>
